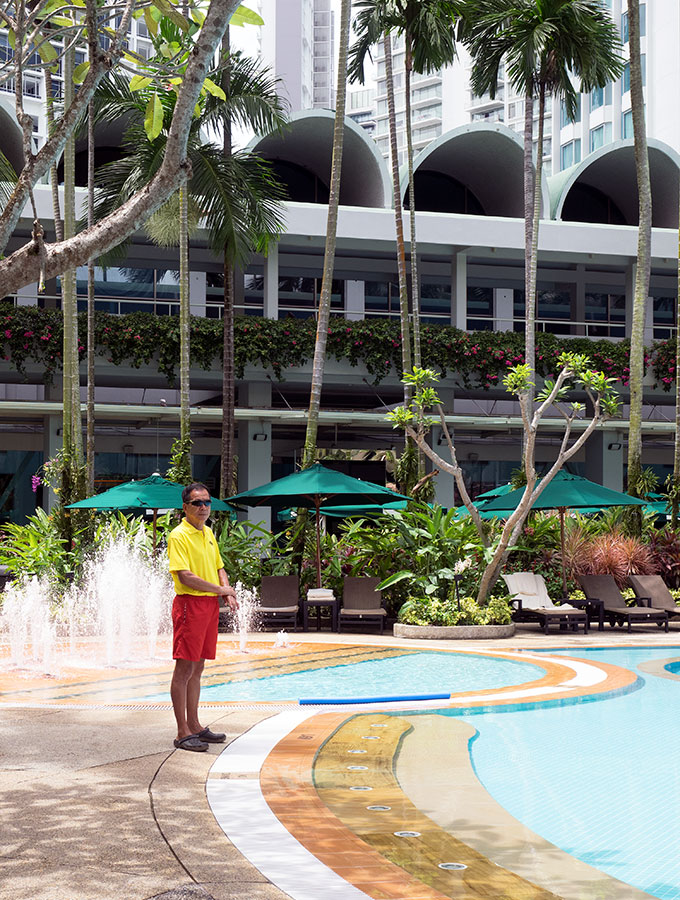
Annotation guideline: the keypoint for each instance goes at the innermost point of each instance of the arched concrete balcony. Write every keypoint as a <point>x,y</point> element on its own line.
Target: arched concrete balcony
<point>475,169</point>
<point>603,188</point>
<point>11,143</point>
<point>301,158</point>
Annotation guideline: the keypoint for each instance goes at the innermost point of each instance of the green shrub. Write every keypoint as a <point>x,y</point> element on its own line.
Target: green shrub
<point>433,611</point>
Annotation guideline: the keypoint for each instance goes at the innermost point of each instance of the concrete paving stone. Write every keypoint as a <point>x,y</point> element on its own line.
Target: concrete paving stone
<point>186,892</point>
<point>46,881</point>
<point>249,890</point>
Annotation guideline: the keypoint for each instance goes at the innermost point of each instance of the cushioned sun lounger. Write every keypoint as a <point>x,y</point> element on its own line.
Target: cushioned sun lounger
<point>603,588</point>
<point>534,603</point>
<point>279,600</point>
<point>652,591</point>
<point>361,602</point>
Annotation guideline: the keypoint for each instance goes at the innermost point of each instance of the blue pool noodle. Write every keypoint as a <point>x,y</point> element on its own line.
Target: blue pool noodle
<point>397,699</point>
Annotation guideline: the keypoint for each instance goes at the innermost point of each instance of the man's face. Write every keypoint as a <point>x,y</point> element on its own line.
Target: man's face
<point>197,514</point>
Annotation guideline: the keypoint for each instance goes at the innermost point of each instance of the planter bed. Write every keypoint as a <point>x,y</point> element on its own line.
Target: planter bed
<point>454,632</point>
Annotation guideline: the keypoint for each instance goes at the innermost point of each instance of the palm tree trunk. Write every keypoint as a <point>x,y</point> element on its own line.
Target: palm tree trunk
<point>89,452</point>
<point>228,391</point>
<point>184,324</point>
<point>406,358</point>
<point>675,490</point>
<point>309,450</point>
<point>415,280</point>
<point>228,398</point>
<point>71,389</point>
<point>642,272</point>
<point>530,242</point>
<point>54,177</point>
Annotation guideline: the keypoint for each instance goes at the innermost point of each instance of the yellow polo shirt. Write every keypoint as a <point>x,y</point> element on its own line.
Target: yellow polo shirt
<point>196,550</point>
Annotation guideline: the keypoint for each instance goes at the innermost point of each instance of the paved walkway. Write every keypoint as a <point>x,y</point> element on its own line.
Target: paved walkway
<point>96,804</point>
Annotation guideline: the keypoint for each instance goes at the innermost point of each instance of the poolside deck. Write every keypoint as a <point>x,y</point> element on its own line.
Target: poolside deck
<point>96,804</point>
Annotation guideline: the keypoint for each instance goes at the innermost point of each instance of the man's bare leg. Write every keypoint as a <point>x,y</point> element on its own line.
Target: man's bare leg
<point>193,694</point>
<point>179,694</point>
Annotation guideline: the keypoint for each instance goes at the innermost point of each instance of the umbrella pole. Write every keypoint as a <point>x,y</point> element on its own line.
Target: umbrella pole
<point>561,511</point>
<point>318,542</point>
<point>155,513</point>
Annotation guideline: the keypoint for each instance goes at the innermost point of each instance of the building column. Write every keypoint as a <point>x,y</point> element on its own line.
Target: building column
<point>52,441</point>
<point>354,300</point>
<point>444,482</point>
<point>459,290</point>
<point>255,447</point>
<point>197,294</point>
<point>271,283</point>
<point>579,310</point>
<point>28,295</point>
<point>604,458</point>
<point>503,309</point>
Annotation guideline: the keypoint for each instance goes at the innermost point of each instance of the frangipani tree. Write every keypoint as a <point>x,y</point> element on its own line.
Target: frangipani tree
<point>574,373</point>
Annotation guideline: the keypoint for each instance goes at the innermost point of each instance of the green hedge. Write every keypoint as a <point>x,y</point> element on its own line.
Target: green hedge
<point>32,335</point>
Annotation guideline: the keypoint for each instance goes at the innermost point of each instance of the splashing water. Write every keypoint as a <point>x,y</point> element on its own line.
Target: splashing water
<point>246,616</point>
<point>113,616</point>
<point>282,641</point>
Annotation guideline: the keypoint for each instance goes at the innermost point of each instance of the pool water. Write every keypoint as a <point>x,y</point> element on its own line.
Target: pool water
<point>428,672</point>
<point>600,780</point>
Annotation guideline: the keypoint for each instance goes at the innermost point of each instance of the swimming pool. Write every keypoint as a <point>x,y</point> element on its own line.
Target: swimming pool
<point>600,780</point>
<point>412,673</point>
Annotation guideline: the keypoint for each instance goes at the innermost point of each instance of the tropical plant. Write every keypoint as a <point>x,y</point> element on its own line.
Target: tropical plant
<point>245,548</point>
<point>618,555</point>
<point>433,611</point>
<point>545,46</point>
<point>418,546</point>
<point>574,372</point>
<point>664,544</point>
<point>644,250</point>
<point>236,193</point>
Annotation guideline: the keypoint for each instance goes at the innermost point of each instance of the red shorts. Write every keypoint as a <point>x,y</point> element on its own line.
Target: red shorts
<point>194,623</point>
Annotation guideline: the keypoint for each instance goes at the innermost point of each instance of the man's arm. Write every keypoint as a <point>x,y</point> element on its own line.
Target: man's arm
<point>199,584</point>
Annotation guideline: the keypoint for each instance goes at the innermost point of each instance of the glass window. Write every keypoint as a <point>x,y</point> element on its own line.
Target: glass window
<point>381,298</point>
<point>596,98</point>
<point>664,317</point>
<point>570,154</point>
<point>605,314</point>
<point>435,301</point>
<point>600,136</point>
<point>564,115</point>
<point>480,308</point>
<point>627,124</point>
<point>625,30</point>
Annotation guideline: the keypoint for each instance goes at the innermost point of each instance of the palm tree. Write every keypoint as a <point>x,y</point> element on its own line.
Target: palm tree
<point>427,28</point>
<point>644,256</point>
<point>309,450</point>
<point>251,102</point>
<point>546,45</point>
<point>236,195</point>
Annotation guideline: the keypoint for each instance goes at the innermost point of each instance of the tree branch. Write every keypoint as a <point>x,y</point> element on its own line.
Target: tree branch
<point>23,266</point>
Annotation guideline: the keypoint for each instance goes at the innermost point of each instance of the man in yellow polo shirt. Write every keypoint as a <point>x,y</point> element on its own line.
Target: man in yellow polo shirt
<point>200,580</point>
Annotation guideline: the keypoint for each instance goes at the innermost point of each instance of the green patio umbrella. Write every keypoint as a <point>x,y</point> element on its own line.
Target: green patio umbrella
<point>564,492</point>
<point>154,492</point>
<point>313,488</point>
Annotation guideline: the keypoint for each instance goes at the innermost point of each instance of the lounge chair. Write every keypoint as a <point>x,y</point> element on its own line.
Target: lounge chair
<point>603,589</point>
<point>279,600</point>
<point>653,590</point>
<point>534,604</point>
<point>361,602</point>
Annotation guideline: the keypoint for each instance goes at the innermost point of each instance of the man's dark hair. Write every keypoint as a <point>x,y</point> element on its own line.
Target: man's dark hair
<point>190,488</point>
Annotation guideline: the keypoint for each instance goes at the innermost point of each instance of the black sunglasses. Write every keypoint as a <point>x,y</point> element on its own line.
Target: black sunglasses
<point>199,502</point>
